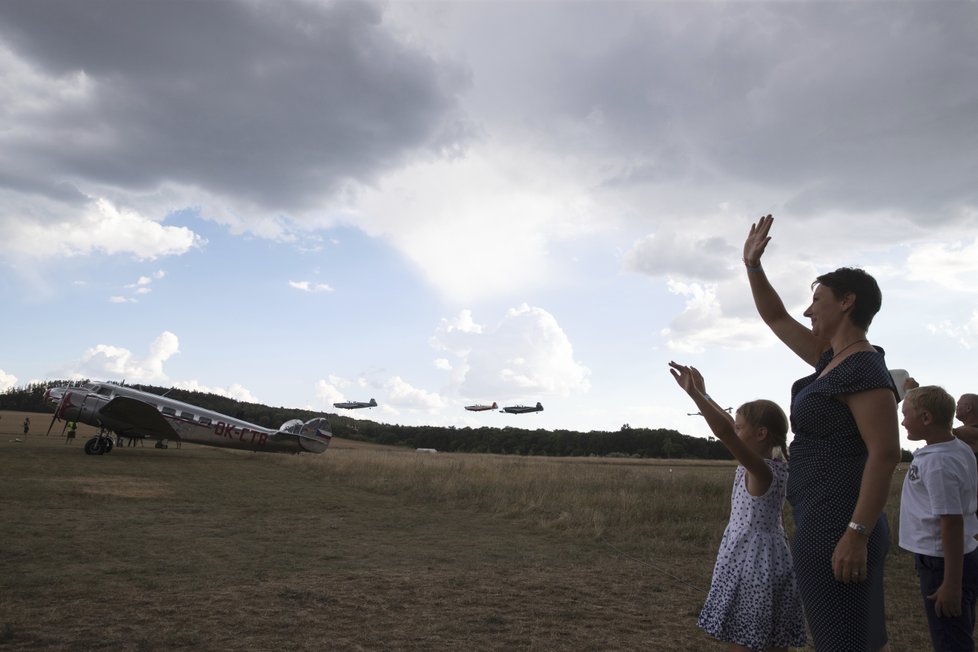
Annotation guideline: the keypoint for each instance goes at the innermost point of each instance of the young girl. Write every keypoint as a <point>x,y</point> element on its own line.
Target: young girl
<point>753,602</point>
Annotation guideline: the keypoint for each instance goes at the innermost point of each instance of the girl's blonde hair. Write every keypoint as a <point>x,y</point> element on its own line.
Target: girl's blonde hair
<point>768,414</point>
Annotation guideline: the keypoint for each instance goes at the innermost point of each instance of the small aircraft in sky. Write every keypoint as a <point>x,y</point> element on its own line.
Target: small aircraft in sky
<point>522,409</point>
<point>481,408</point>
<point>130,412</point>
<point>699,414</point>
<point>354,405</point>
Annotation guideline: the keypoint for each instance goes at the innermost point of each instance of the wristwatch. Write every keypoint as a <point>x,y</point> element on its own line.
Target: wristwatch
<point>861,529</point>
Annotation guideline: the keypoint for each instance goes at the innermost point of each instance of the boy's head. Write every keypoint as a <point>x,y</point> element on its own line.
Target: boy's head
<point>967,410</point>
<point>928,413</point>
<point>768,419</point>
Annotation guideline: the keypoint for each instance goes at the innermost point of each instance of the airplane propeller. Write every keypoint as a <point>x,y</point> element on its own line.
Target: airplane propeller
<point>57,411</point>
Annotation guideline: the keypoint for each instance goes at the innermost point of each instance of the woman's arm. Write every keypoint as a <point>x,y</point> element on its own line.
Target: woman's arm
<point>875,414</point>
<point>769,306</point>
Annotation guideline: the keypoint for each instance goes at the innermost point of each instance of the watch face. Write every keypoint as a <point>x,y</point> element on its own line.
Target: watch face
<point>861,529</point>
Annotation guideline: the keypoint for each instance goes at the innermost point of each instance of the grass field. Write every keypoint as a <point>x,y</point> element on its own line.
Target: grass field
<point>363,548</point>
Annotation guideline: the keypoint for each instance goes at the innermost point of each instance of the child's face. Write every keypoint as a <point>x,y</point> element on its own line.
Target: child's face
<point>913,421</point>
<point>747,433</point>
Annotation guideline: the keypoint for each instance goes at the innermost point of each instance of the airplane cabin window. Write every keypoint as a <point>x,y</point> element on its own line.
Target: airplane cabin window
<point>187,415</point>
<point>169,411</point>
<point>205,421</point>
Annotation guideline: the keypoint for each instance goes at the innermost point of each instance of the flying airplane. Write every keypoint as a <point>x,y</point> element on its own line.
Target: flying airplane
<point>481,408</point>
<point>699,414</point>
<point>130,412</point>
<point>522,409</point>
<point>353,405</point>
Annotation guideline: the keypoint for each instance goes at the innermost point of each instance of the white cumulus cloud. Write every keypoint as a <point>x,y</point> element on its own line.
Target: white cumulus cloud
<point>309,286</point>
<point>526,354</point>
<point>7,381</point>
<point>966,334</point>
<point>235,391</point>
<point>105,361</point>
<point>401,394</point>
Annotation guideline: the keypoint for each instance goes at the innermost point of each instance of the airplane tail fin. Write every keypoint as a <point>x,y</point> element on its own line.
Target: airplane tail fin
<point>312,436</point>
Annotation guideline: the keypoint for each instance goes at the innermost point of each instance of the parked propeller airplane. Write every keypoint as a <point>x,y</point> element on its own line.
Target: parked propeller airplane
<point>481,408</point>
<point>522,409</point>
<point>353,405</point>
<point>130,412</point>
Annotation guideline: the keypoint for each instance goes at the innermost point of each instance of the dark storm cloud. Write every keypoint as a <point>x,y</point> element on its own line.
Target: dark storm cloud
<point>277,103</point>
<point>864,106</point>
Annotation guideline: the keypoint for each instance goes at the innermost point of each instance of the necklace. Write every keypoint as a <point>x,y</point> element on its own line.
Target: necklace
<point>847,346</point>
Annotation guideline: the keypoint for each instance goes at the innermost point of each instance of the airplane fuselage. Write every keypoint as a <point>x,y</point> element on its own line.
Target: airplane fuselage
<point>130,412</point>
<point>522,409</point>
<point>355,405</point>
<point>480,408</point>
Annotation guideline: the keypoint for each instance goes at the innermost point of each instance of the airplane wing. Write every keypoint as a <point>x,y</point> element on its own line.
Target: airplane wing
<point>124,414</point>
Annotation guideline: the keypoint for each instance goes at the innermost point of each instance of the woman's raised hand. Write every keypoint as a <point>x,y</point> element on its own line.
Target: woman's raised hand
<point>757,241</point>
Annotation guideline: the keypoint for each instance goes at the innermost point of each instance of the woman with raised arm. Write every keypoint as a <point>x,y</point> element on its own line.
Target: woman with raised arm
<point>846,445</point>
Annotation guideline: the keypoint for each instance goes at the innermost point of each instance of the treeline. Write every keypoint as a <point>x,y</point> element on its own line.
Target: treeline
<point>628,441</point>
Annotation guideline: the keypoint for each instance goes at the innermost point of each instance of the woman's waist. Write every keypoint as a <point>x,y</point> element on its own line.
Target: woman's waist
<point>824,472</point>
<point>806,447</point>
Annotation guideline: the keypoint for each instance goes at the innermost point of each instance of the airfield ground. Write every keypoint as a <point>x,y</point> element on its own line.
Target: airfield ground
<point>362,548</point>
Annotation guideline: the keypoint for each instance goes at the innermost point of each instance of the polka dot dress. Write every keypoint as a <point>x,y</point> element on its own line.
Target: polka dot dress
<point>827,460</point>
<point>753,599</point>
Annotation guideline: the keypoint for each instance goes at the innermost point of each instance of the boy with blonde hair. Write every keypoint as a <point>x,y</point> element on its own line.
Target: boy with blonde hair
<point>937,518</point>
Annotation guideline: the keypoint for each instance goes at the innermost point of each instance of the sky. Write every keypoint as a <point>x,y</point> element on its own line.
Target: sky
<point>435,204</point>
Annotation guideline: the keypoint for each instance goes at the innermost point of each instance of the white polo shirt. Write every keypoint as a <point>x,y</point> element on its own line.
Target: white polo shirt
<point>942,479</point>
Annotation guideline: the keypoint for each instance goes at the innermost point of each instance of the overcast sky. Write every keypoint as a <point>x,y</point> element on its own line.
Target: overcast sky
<point>440,203</point>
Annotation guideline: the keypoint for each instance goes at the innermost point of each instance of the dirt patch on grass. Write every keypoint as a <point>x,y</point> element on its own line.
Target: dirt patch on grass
<point>116,485</point>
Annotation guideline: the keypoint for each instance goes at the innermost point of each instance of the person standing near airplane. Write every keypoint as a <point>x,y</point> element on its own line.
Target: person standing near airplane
<point>845,448</point>
<point>753,602</point>
<point>27,426</point>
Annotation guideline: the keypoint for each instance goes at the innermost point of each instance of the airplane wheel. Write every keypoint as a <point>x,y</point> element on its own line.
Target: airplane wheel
<point>107,445</point>
<point>94,446</point>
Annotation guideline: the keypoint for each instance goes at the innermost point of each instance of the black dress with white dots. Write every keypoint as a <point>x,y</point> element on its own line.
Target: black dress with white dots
<point>827,460</point>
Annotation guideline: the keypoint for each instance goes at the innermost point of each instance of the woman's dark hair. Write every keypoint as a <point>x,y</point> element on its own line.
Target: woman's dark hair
<point>868,297</point>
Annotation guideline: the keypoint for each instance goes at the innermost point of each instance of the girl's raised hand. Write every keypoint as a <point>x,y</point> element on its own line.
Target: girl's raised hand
<point>757,241</point>
<point>689,378</point>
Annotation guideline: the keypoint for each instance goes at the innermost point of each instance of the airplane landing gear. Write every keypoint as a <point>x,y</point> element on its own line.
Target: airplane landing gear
<point>98,445</point>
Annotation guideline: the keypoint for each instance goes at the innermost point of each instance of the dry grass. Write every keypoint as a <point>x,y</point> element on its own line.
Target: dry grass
<point>362,548</point>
